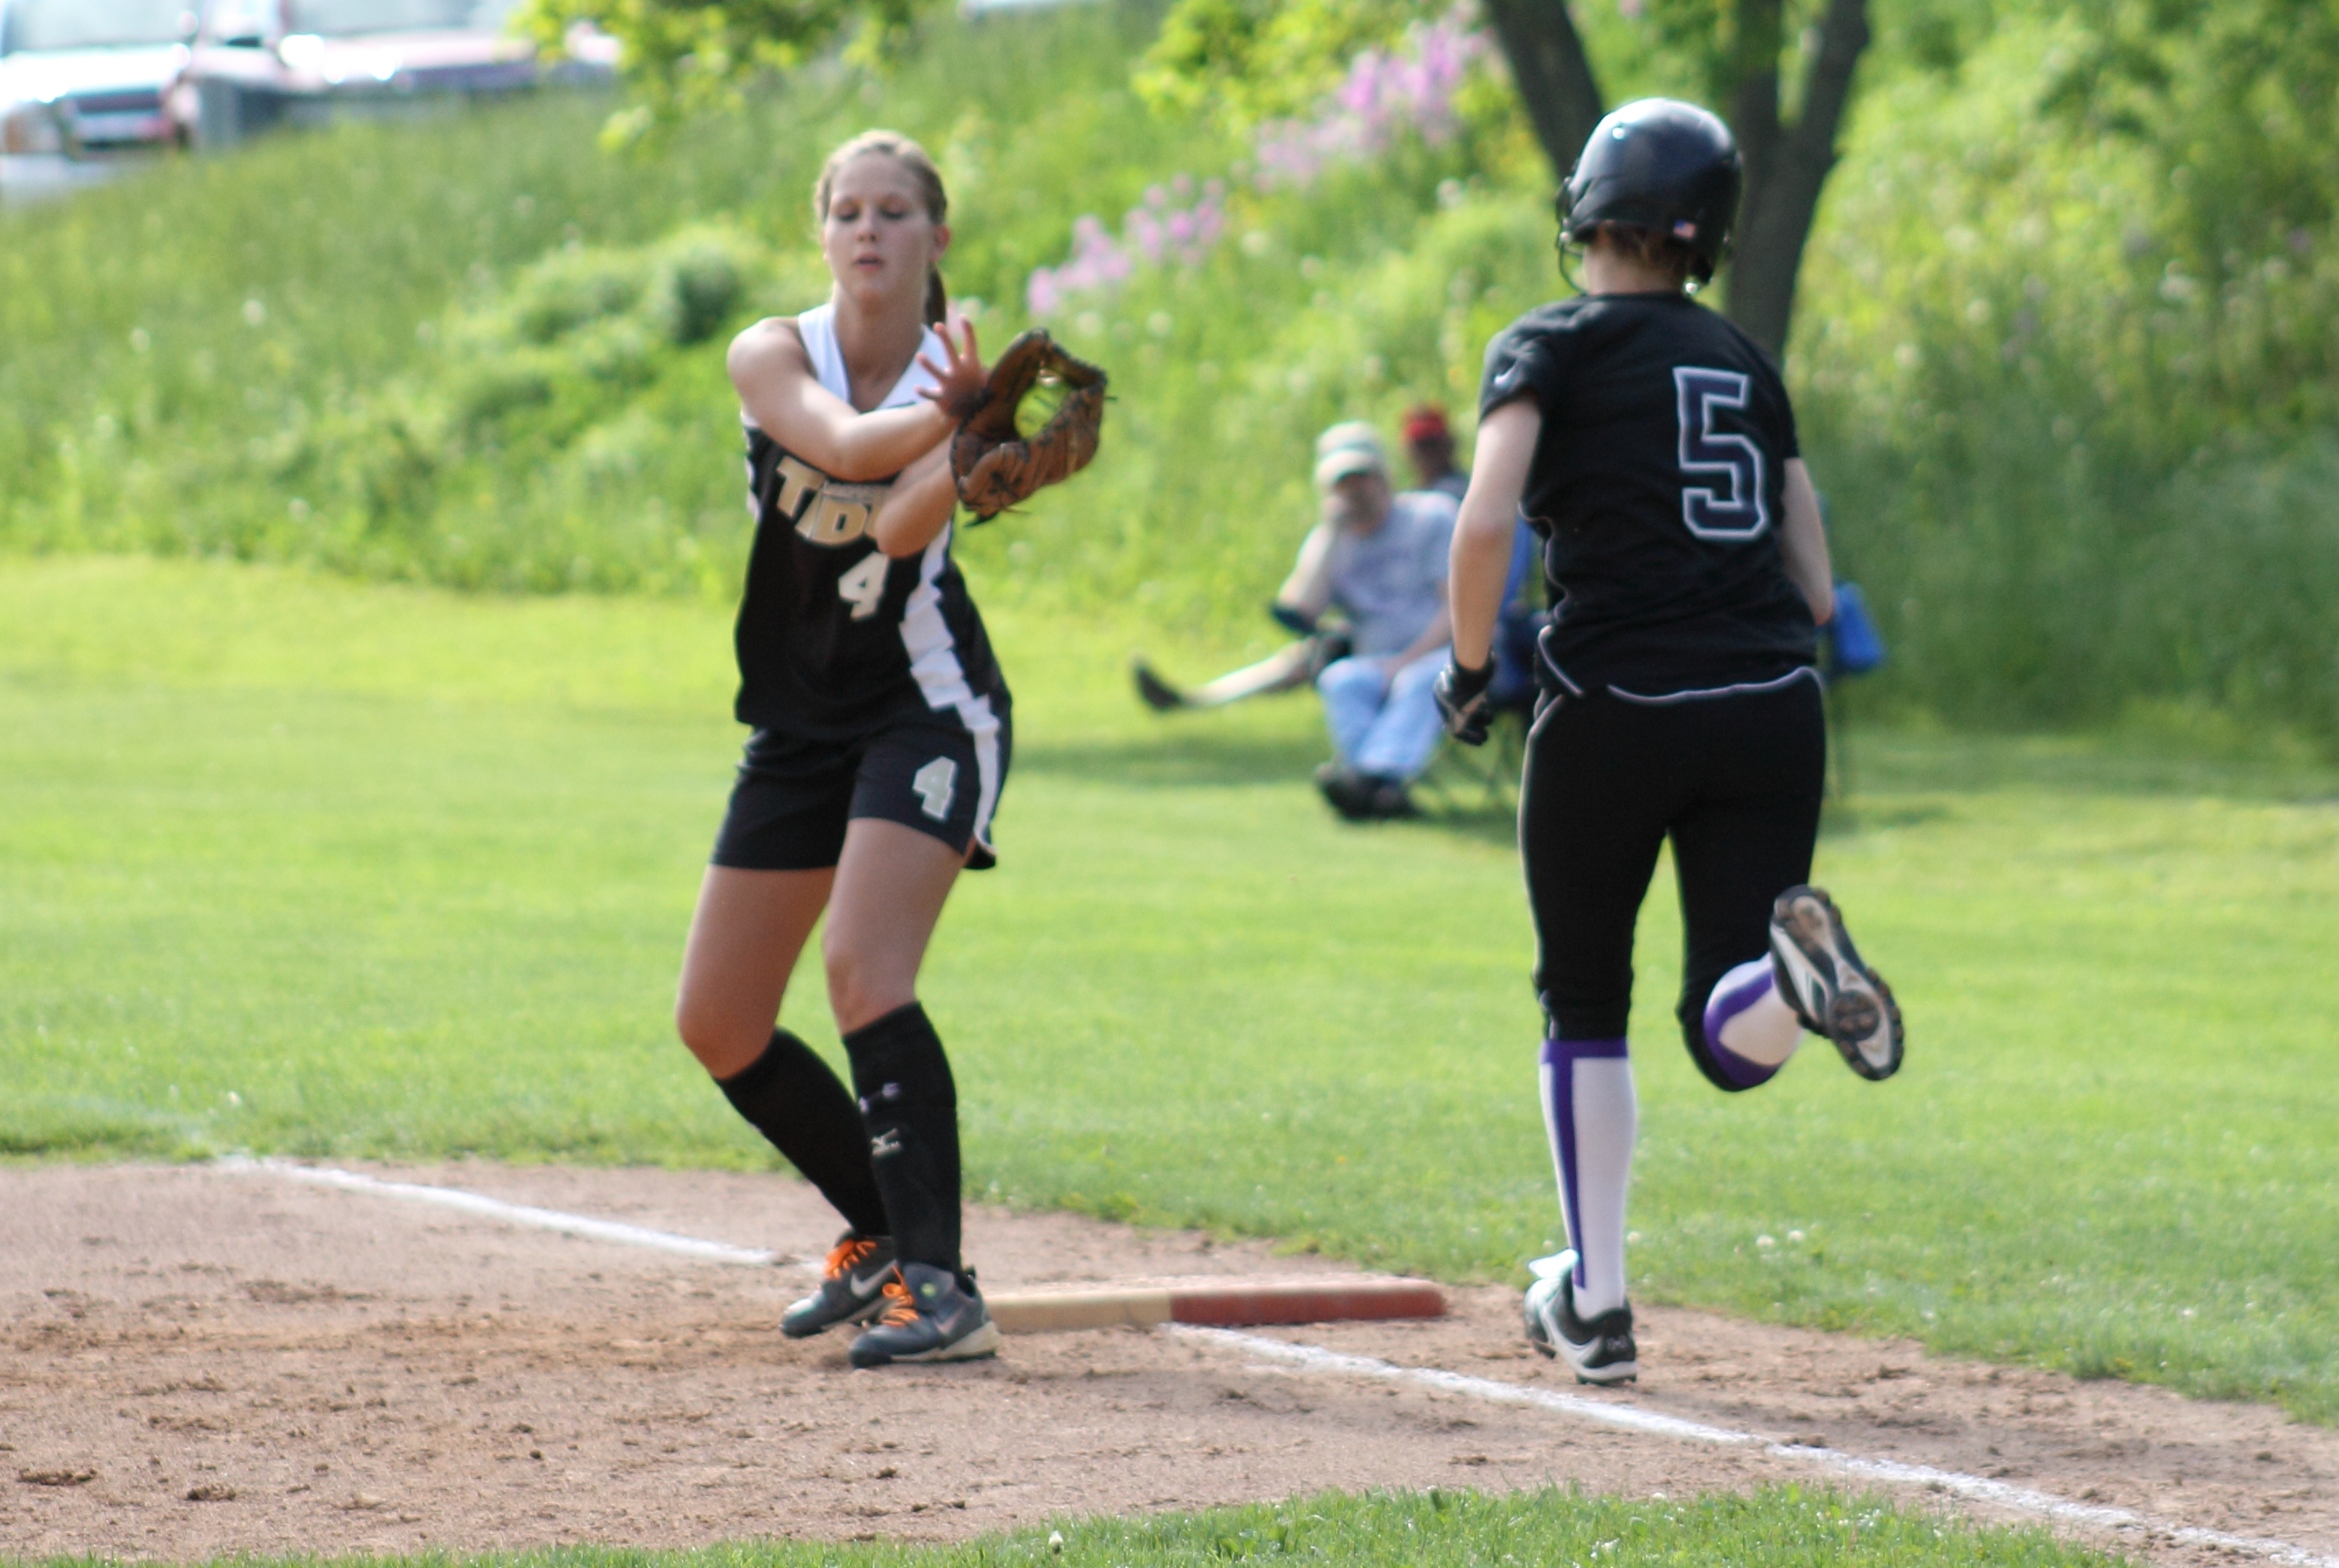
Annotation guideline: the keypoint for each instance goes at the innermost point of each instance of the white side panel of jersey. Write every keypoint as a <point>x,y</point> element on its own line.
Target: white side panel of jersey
<point>942,679</point>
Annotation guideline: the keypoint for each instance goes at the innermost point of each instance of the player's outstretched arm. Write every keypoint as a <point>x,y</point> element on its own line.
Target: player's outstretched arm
<point>920,502</point>
<point>782,395</point>
<point>1802,542</point>
<point>1481,559</point>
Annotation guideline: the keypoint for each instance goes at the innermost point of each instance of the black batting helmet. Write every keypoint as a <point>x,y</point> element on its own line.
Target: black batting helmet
<point>1658,164</point>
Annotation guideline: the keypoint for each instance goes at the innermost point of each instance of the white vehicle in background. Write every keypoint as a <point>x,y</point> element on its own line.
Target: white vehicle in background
<point>257,63</point>
<point>83,82</point>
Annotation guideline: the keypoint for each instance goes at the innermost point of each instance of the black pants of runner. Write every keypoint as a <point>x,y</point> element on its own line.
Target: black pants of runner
<point>1734,781</point>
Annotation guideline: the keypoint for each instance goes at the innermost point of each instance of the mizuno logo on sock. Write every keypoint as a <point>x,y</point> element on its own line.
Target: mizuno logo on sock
<point>883,1144</point>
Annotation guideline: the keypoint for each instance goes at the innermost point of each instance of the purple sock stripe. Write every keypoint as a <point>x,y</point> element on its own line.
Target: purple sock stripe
<point>1556,1051</point>
<point>1561,1056</point>
<point>1720,1008</point>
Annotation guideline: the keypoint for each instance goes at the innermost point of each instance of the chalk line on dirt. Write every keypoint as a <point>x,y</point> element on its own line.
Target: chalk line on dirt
<point>1980,1489</point>
<point>509,1213</point>
<point>1317,1359</point>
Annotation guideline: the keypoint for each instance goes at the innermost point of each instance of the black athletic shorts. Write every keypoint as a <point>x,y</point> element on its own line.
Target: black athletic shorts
<point>794,796</point>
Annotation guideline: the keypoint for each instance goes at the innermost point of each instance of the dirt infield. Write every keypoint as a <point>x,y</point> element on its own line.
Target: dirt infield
<point>196,1362</point>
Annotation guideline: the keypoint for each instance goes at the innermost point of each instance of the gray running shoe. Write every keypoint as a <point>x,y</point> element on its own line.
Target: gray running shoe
<point>928,1317</point>
<point>1600,1350</point>
<point>1835,994</point>
<point>852,1287</point>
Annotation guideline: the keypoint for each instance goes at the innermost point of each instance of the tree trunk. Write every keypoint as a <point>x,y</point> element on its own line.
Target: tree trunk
<point>1553,75</point>
<point>1786,166</point>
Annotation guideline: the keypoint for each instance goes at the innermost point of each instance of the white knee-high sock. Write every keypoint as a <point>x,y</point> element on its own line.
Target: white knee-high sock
<point>1592,1117</point>
<point>1751,1029</point>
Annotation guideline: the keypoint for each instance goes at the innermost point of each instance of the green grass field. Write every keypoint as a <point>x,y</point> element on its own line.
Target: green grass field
<point>1782,1527</point>
<point>295,866</point>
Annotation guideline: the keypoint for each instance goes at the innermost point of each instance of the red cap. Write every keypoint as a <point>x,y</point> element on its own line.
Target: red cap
<point>1427,423</point>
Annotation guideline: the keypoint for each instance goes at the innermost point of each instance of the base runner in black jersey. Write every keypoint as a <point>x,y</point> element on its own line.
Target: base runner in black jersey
<point>881,740</point>
<point>1651,444</point>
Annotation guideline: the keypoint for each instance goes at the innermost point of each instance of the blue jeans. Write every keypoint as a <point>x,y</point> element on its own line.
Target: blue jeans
<point>1380,725</point>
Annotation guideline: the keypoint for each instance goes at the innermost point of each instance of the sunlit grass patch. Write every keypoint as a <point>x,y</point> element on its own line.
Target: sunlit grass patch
<point>307,867</point>
<point>1776,1527</point>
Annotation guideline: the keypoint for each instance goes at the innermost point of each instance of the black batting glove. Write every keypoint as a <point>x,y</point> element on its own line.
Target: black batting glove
<point>1461,701</point>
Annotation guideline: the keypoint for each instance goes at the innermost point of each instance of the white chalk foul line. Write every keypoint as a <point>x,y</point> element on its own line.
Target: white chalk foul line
<point>1633,1418</point>
<point>1315,1358</point>
<point>508,1213</point>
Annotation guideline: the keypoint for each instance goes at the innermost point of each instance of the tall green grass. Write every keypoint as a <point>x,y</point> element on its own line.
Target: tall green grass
<point>2076,471</point>
<point>2082,448</point>
<point>303,353</point>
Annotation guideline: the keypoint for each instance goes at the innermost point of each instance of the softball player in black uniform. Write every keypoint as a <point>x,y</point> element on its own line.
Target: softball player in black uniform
<point>1651,444</point>
<point>880,742</point>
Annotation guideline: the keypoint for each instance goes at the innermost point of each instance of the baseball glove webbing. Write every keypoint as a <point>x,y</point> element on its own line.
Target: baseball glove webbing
<point>996,467</point>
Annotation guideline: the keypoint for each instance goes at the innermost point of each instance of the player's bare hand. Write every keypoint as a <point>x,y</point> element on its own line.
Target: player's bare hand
<point>961,380</point>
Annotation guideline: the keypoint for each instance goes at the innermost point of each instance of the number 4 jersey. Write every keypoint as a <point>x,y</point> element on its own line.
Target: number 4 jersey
<point>1659,487</point>
<point>835,639</point>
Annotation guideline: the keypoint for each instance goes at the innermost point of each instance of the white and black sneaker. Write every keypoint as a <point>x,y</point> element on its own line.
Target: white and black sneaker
<point>852,1287</point>
<point>1835,994</point>
<point>1600,1350</point>
<point>930,1315</point>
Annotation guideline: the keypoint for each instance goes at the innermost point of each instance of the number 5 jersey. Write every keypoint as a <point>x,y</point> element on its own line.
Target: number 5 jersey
<point>836,639</point>
<point>1659,487</point>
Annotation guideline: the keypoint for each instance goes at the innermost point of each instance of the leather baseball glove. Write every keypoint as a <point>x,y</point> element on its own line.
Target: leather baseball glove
<point>995,466</point>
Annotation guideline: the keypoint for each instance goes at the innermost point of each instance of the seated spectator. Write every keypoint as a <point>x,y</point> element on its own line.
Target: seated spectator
<point>1379,557</point>
<point>1430,446</point>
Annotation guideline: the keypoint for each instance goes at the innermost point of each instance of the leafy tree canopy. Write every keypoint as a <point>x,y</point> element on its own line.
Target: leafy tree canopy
<point>1245,61</point>
<point>1780,72</point>
<point>686,55</point>
<point>2237,101</point>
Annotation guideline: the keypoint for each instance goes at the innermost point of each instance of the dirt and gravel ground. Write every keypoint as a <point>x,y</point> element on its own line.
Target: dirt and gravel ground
<point>196,1362</point>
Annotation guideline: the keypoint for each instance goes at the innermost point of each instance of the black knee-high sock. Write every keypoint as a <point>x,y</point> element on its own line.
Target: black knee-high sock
<point>911,1106</point>
<point>795,1099</point>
